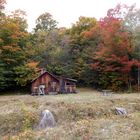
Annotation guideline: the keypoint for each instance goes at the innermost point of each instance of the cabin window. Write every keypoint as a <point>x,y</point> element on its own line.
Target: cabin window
<point>53,84</point>
<point>68,83</point>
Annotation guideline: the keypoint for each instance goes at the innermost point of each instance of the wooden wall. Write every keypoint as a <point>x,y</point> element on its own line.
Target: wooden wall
<point>44,79</point>
<point>62,86</point>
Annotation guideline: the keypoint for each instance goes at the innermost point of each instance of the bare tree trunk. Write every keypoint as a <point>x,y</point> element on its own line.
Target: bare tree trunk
<point>139,69</point>
<point>129,83</point>
<point>138,78</point>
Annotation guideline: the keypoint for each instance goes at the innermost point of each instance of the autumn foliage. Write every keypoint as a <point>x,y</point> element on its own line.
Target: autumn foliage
<point>99,53</point>
<point>113,58</point>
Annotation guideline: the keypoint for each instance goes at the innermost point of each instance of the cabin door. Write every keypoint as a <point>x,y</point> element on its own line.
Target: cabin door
<point>62,86</point>
<point>52,87</point>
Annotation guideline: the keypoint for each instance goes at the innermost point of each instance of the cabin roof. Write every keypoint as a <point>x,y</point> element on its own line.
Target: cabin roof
<point>54,76</point>
<point>43,74</point>
<point>65,78</point>
<point>71,79</point>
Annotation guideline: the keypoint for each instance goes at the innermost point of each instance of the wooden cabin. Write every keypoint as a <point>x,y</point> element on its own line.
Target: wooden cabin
<point>47,83</point>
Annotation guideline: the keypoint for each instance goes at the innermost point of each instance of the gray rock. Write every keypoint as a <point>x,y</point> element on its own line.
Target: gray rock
<point>47,120</point>
<point>120,111</point>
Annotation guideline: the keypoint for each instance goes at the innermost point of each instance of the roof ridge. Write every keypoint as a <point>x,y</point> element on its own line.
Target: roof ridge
<point>55,76</point>
<point>44,73</point>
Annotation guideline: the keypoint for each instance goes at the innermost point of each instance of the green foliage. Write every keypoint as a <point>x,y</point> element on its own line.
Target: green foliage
<point>80,51</point>
<point>109,80</point>
<point>2,77</point>
<point>25,74</point>
<point>45,22</point>
<point>101,53</point>
<point>14,52</point>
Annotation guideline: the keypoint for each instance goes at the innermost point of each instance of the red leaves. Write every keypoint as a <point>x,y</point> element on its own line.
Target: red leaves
<point>95,65</point>
<point>115,49</point>
<point>127,65</point>
<point>88,34</point>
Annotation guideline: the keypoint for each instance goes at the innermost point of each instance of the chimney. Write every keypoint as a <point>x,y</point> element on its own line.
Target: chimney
<point>42,70</point>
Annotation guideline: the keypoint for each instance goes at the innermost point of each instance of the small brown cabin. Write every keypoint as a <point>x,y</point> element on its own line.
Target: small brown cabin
<point>47,83</point>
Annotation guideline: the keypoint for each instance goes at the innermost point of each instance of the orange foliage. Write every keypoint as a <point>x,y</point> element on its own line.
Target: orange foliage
<point>32,64</point>
<point>11,48</point>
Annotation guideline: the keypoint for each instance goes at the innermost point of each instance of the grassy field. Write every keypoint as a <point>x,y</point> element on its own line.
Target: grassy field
<point>83,116</point>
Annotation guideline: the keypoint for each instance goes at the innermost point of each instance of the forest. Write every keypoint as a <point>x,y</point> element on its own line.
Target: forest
<point>103,54</point>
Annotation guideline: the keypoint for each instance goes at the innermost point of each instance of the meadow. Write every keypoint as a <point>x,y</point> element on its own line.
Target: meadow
<point>87,115</point>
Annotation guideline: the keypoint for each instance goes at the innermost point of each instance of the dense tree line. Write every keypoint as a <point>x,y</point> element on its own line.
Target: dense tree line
<point>98,53</point>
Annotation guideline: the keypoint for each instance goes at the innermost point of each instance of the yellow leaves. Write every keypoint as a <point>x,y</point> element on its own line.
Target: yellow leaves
<point>26,72</point>
<point>1,40</point>
<point>13,28</point>
<point>6,47</point>
<point>80,61</point>
<point>11,48</point>
<point>32,64</point>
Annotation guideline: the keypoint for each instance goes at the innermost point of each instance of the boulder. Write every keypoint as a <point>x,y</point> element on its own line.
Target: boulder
<point>121,111</point>
<point>47,120</point>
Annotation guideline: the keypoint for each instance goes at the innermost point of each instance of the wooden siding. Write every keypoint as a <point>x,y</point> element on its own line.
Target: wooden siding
<point>45,79</point>
<point>53,84</point>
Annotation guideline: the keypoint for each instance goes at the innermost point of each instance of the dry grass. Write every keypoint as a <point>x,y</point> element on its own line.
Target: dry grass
<point>83,116</point>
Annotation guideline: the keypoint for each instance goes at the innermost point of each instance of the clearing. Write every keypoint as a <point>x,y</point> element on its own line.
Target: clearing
<point>84,116</point>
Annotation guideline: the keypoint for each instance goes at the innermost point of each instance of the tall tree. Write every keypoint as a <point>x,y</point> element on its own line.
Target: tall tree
<point>80,50</point>
<point>45,22</point>
<point>131,20</point>
<point>50,43</point>
<point>13,43</point>
<point>129,14</point>
<point>113,60</point>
